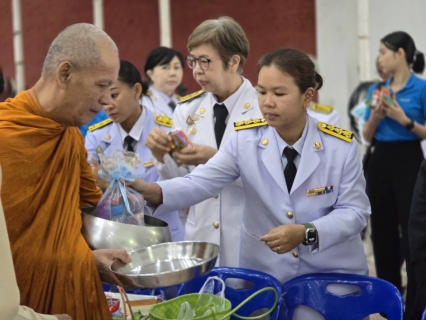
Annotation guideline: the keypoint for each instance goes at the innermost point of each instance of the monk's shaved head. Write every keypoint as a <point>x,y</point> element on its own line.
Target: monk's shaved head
<point>80,44</point>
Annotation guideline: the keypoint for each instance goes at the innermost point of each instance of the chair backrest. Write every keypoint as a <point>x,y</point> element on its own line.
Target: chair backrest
<point>259,280</point>
<point>374,296</point>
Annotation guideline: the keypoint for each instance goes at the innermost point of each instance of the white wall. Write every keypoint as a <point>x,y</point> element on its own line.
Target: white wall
<point>337,41</point>
<point>398,15</point>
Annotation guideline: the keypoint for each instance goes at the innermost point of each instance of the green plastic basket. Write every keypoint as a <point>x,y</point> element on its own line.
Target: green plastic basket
<point>169,310</point>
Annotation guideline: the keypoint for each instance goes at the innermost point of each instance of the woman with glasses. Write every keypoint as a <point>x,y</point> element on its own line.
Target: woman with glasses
<point>218,50</point>
<point>164,72</point>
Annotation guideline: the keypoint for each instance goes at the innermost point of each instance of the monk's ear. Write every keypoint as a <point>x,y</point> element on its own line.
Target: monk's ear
<point>63,74</point>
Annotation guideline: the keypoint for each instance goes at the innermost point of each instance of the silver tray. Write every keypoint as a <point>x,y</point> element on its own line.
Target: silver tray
<point>166,264</point>
<point>104,234</point>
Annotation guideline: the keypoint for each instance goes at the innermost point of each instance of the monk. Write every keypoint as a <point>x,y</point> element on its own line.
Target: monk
<point>47,179</point>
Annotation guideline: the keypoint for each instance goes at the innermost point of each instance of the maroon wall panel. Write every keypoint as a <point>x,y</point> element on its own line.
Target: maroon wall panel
<point>134,26</point>
<point>6,39</point>
<point>269,24</point>
<point>42,20</point>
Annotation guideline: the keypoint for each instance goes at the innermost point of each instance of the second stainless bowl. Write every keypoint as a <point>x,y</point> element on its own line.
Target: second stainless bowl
<point>166,264</point>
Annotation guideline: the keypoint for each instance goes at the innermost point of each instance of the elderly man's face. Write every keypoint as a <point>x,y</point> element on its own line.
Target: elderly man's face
<point>90,90</point>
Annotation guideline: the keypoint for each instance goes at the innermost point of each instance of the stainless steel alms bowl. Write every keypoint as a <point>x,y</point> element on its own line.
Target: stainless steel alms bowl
<point>166,264</point>
<point>104,234</point>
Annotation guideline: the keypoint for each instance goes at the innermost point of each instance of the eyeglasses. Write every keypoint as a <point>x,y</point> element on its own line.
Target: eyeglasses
<point>203,62</point>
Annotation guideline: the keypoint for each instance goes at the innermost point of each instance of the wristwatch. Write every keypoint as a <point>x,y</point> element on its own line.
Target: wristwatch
<point>410,125</point>
<point>311,234</point>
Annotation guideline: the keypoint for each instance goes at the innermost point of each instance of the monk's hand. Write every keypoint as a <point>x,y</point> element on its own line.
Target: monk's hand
<point>284,238</point>
<point>101,183</point>
<point>194,154</point>
<point>104,259</point>
<point>63,317</point>
<point>159,142</point>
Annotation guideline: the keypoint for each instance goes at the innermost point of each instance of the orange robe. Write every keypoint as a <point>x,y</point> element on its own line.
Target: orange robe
<point>46,178</point>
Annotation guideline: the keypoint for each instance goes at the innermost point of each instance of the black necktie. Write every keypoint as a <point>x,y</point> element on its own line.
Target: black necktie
<point>172,105</point>
<point>290,169</point>
<point>128,141</point>
<point>220,113</point>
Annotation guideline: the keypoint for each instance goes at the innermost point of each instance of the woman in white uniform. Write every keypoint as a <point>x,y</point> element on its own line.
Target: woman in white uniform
<point>126,129</point>
<point>305,203</point>
<point>218,50</point>
<point>164,71</point>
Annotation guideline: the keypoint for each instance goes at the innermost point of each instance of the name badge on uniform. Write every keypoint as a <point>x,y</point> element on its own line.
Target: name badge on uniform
<point>319,191</point>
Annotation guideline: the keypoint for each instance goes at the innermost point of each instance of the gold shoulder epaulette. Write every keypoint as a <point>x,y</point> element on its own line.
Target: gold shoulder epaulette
<point>322,108</point>
<point>164,121</point>
<point>245,124</point>
<point>191,96</point>
<point>99,125</point>
<point>335,131</point>
<point>149,93</point>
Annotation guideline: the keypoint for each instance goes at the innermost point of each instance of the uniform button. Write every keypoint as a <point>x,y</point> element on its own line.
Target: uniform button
<point>295,254</point>
<point>216,225</point>
<point>216,197</point>
<point>289,215</point>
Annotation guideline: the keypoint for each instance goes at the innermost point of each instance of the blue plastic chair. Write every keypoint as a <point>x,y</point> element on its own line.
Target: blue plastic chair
<point>259,280</point>
<point>424,315</point>
<point>375,296</point>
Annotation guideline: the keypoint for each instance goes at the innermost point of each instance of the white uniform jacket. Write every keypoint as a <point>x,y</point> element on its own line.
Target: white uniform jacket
<point>155,101</point>
<point>108,138</point>
<point>210,220</point>
<point>324,113</point>
<point>339,216</point>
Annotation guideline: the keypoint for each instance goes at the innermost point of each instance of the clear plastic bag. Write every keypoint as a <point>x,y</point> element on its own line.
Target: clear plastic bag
<point>120,203</point>
<point>112,205</point>
<point>207,302</point>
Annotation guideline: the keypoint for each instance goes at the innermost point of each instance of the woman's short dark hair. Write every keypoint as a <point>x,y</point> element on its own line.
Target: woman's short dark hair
<point>296,64</point>
<point>130,75</point>
<point>161,56</point>
<point>400,39</point>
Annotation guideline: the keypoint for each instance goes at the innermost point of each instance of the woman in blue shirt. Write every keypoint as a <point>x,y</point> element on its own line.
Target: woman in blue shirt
<point>397,128</point>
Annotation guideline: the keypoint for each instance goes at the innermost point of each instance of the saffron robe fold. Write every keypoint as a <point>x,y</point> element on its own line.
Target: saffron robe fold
<point>46,179</point>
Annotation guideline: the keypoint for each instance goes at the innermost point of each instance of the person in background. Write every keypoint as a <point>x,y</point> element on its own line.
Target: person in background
<point>359,108</point>
<point>127,129</point>
<point>164,71</point>
<point>47,179</point>
<point>218,50</point>
<point>101,116</point>
<point>397,126</point>
<point>305,203</point>
<point>417,241</point>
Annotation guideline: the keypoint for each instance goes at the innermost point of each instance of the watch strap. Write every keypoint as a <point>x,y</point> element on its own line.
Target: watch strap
<point>409,126</point>
<point>308,226</point>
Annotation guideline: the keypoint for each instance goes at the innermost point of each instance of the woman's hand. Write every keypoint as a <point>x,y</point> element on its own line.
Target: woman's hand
<point>159,142</point>
<point>284,238</point>
<point>395,112</point>
<point>378,112</point>
<point>194,154</point>
<point>101,183</point>
<point>150,191</point>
